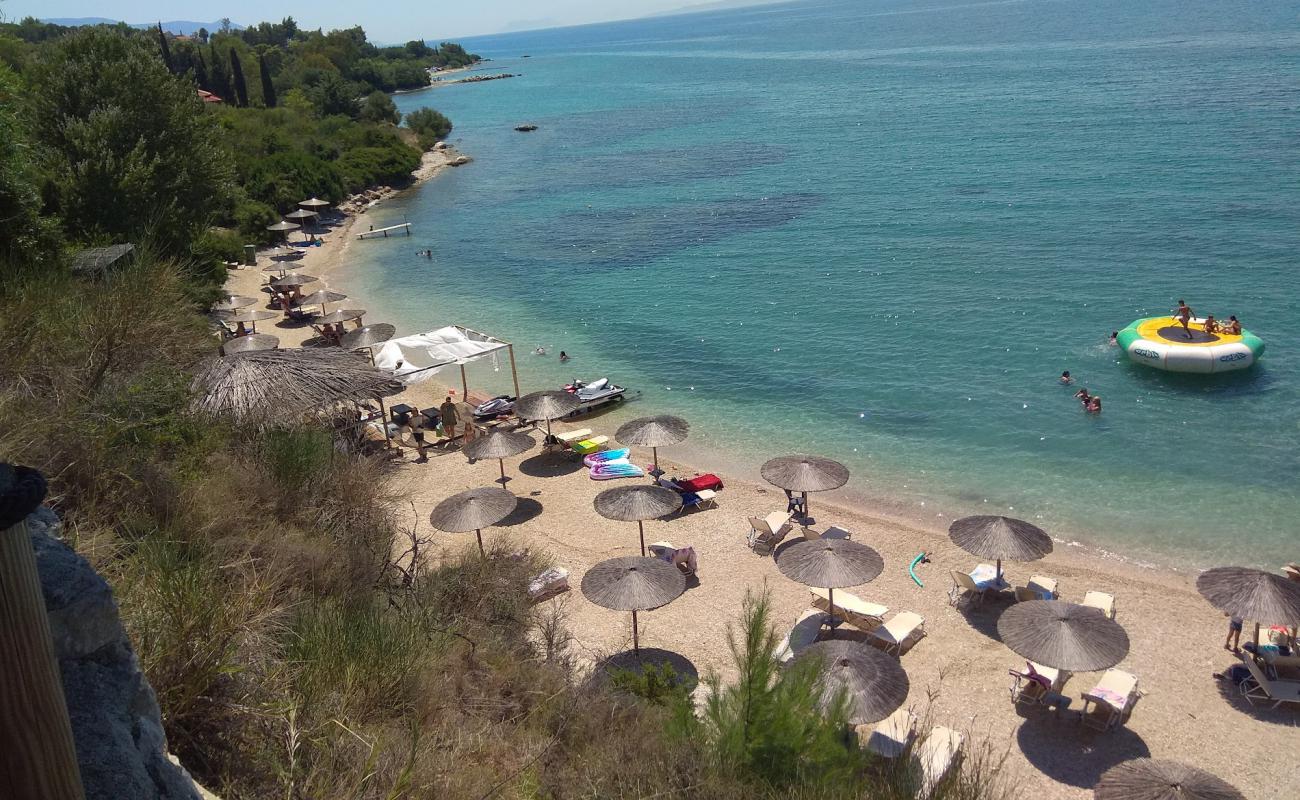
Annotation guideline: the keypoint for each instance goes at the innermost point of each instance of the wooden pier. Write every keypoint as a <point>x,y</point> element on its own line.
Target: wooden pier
<point>376,232</point>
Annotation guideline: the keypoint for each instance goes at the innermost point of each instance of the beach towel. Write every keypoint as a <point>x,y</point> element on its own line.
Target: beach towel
<point>709,481</point>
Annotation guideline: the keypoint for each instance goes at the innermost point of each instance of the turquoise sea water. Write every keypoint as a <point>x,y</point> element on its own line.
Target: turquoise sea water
<point>879,230</point>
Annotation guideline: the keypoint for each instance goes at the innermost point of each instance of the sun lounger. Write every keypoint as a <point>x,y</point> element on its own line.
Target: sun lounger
<point>891,736</point>
<point>1111,700</point>
<point>1101,601</point>
<point>833,532</point>
<point>571,437</point>
<point>894,635</point>
<point>766,533</point>
<point>589,446</point>
<point>1035,682</point>
<point>1043,586</point>
<point>683,558</point>
<point>704,498</point>
<point>803,633</point>
<point>550,583</point>
<point>854,610</point>
<point>935,758</point>
<point>966,590</point>
<point>1259,687</point>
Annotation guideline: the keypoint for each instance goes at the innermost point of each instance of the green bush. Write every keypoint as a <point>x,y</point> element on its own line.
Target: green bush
<point>379,108</point>
<point>429,126</point>
<point>658,684</point>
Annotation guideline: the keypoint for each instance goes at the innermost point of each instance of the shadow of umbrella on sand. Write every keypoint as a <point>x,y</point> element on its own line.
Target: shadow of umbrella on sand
<point>637,504</point>
<point>1154,779</point>
<point>473,510</point>
<point>876,683</point>
<point>1000,538</point>
<point>1063,635</point>
<point>633,583</point>
<point>805,474</point>
<point>500,445</point>
<point>829,564</point>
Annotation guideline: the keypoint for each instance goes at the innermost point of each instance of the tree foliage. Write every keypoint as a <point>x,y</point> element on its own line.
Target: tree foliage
<point>240,85</point>
<point>380,108</point>
<point>429,126</point>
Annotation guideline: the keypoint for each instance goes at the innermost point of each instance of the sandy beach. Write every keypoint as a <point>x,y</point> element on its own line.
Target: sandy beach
<point>958,671</point>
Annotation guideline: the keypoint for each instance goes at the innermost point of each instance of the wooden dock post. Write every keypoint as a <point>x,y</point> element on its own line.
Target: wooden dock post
<point>38,759</point>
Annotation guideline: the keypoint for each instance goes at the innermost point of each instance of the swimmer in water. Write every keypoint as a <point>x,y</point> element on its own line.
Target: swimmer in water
<point>1184,316</point>
<point>564,356</point>
<point>540,351</point>
<point>1093,406</point>
<point>1082,395</point>
<point>1114,338</point>
<point>1065,377</point>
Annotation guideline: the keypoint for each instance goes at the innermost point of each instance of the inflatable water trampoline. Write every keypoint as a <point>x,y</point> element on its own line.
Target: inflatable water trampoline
<point>1161,342</point>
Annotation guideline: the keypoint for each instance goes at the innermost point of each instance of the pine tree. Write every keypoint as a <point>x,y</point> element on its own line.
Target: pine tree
<point>201,71</point>
<point>237,71</point>
<point>268,88</point>
<point>166,51</point>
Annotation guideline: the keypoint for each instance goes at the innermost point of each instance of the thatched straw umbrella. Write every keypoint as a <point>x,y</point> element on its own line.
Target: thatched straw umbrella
<point>292,279</point>
<point>637,504</point>
<point>654,432</point>
<point>341,316</point>
<point>1253,594</point>
<point>829,564</point>
<point>876,683</point>
<point>500,445</point>
<point>233,303</point>
<point>473,510</point>
<point>301,215</point>
<point>275,386</point>
<point>805,474</point>
<point>249,344</point>
<point>633,584</point>
<point>1151,779</point>
<point>1063,635</point>
<point>367,336</point>
<point>320,297</point>
<point>249,315</point>
<point>1000,538</point>
<point>314,204</point>
<point>546,406</point>
<point>283,226</point>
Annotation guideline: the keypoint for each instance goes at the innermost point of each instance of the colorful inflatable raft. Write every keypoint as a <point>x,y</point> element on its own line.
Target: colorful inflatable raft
<point>1161,343</point>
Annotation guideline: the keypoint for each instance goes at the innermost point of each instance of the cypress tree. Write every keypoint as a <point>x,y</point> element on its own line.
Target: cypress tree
<point>237,70</point>
<point>201,71</point>
<point>166,51</point>
<point>220,84</point>
<point>268,88</point>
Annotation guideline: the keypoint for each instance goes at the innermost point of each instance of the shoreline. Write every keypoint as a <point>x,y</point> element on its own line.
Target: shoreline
<point>958,671</point>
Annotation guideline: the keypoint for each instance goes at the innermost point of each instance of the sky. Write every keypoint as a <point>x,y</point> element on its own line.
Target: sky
<point>391,21</point>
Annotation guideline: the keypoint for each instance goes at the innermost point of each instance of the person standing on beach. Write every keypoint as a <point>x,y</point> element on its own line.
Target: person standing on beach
<point>1233,642</point>
<point>415,423</point>
<point>1184,316</point>
<point>449,418</point>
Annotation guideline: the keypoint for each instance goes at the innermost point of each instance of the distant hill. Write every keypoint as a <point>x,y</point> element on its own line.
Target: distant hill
<point>182,27</point>
<point>717,5</point>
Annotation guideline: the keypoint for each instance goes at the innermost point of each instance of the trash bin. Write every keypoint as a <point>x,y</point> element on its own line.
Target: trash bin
<point>250,255</point>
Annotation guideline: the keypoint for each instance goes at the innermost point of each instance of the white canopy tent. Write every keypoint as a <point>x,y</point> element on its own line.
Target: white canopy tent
<point>419,357</point>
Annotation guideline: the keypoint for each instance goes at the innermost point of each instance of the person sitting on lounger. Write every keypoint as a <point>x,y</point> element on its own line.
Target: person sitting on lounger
<point>1232,326</point>
<point>240,330</point>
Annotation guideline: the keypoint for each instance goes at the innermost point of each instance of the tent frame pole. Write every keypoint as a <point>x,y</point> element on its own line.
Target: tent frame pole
<point>464,384</point>
<point>514,372</point>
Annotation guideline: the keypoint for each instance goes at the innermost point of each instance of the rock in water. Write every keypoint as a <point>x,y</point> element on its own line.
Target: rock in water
<point>116,722</point>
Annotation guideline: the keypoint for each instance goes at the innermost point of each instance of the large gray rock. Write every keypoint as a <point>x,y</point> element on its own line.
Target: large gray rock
<point>115,716</point>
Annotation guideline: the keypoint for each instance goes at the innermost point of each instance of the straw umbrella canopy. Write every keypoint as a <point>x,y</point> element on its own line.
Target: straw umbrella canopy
<point>473,510</point>
<point>1000,538</point>
<point>249,315</point>
<point>875,682</point>
<point>546,406</point>
<point>500,445</point>
<point>805,474</point>
<point>293,279</point>
<point>637,504</point>
<point>1253,594</point>
<point>1153,779</point>
<point>301,213</point>
<point>633,583</point>
<point>314,202</point>
<point>274,386</point>
<point>654,432</point>
<point>1063,635</point>
<point>250,343</point>
<point>233,303</point>
<point>342,315</point>
<point>367,336</point>
<point>283,225</point>
<point>281,252</point>
<point>320,297</point>
<point>830,564</point>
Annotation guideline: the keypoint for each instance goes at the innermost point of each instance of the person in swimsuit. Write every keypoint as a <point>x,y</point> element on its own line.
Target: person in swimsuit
<point>1114,338</point>
<point>1211,325</point>
<point>415,422</point>
<point>1093,406</point>
<point>1082,396</point>
<point>1232,326</point>
<point>1233,642</point>
<point>1065,377</point>
<point>1184,316</point>
<point>564,356</point>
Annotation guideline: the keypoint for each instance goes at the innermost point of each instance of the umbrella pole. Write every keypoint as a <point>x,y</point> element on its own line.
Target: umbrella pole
<point>1256,636</point>
<point>640,526</point>
<point>998,577</point>
<point>830,605</point>
<point>479,534</point>
<point>636,642</point>
<point>655,458</point>
<point>502,462</point>
<point>806,515</point>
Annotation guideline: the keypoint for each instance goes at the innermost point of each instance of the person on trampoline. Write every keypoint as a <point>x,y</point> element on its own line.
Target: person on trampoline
<point>1211,324</point>
<point>1232,326</point>
<point>1184,315</point>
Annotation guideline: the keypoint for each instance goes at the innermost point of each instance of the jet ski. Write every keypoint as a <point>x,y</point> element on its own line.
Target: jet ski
<point>595,393</point>
<point>500,406</point>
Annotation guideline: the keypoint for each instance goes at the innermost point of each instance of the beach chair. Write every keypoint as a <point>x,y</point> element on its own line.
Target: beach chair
<point>833,532</point>
<point>1036,683</point>
<point>704,498</point>
<point>1101,601</point>
<point>681,557</point>
<point>859,613</point>
<point>891,736</point>
<point>1260,688</point>
<point>803,633</point>
<point>905,627</point>
<point>548,584</point>
<point>572,437</point>
<point>1110,703</point>
<point>1044,586</point>
<point>588,446</point>
<point>936,757</point>
<point>965,590</point>
<point>766,533</point>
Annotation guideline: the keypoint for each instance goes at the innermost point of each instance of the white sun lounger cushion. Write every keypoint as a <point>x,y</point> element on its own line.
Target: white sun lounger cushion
<point>891,735</point>
<point>573,436</point>
<point>848,603</point>
<point>895,633</point>
<point>935,757</point>
<point>1100,601</point>
<point>803,633</point>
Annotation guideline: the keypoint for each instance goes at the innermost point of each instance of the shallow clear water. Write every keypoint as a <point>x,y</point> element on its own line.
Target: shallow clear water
<point>879,231</point>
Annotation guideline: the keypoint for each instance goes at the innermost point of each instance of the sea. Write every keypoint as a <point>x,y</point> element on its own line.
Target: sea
<point>879,230</point>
